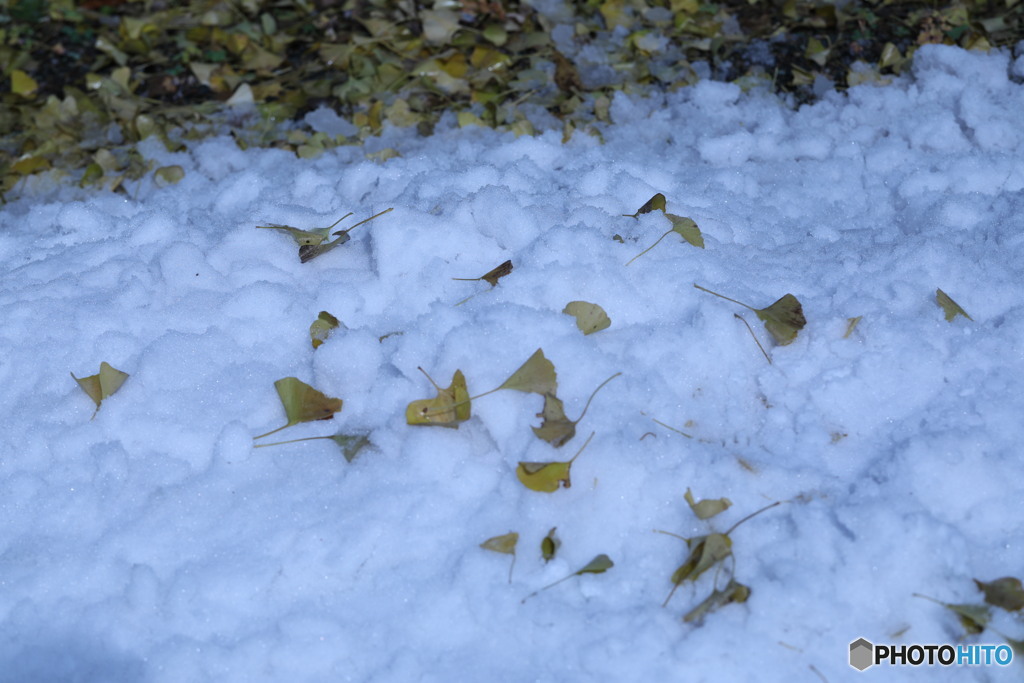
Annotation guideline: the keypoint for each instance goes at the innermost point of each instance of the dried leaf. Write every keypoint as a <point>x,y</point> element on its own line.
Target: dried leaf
<point>350,444</point>
<point>1006,593</point>
<point>450,408</point>
<point>491,277</point>
<point>102,385</point>
<point>687,229</point>
<point>322,327</point>
<point>168,175</point>
<point>303,403</point>
<point>974,618</point>
<point>590,317</point>
<point>951,308</point>
<point>851,325</point>
<point>707,508</point>
<point>556,428</point>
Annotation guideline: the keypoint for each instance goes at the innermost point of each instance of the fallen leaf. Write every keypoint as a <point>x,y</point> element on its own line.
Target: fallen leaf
<point>547,477</point>
<point>733,592</point>
<point>951,308</point>
<point>783,319</point>
<point>492,276</point>
<point>450,408</point>
<point>303,403</point>
<point>322,327</point>
<point>549,545</point>
<point>536,375</point>
<point>598,565</point>
<point>311,242</point>
<point>707,508</point>
<point>590,317</point>
<point>1006,593</point>
<point>168,175</point>
<point>101,385</point>
<point>974,618</point>
<point>23,84</point>
<point>556,428</point>
<point>506,543</point>
<point>350,444</point>
<point>684,227</point>
<point>655,203</point>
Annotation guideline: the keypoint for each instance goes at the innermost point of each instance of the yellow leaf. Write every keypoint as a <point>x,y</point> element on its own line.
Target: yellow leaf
<point>449,409</point>
<point>322,327</point>
<point>303,403</point>
<point>707,508</point>
<point>590,317</point>
<point>536,375</point>
<point>951,308</point>
<point>547,477</point>
<point>102,385</point>
<point>23,84</point>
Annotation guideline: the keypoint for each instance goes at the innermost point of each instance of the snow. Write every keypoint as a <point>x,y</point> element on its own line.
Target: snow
<point>153,542</point>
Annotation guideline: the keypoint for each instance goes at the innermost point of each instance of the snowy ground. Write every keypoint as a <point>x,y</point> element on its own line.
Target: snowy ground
<point>153,543</point>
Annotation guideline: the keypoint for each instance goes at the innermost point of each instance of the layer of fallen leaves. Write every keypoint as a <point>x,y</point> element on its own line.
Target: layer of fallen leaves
<point>82,83</point>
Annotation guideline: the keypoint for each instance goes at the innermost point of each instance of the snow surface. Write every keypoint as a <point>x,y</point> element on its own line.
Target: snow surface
<point>153,543</point>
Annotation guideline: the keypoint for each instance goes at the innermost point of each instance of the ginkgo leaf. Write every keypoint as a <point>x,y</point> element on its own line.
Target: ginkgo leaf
<point>450,408</point>
<point>506,543</point>
<point>706,552</point>
<point>311,242</point>
<point>303,403</point>
<point>102,385</point>
<point>655,203</point>
<point>548,476</point>
<point>350,444</point>
<point>556,428</point>
<point>590,317</point>
<point>707,508</point>
<point>536,375</point>
<point>733,592</point>
<point>598,565</point>
<point>951,308</point>
<point>322,327</point>
<point>974,618</point>
<point>1006,593</point>
<point>687,229</point>
<point>549,545</point>
<point>783,319</point>
<point>491,277</point>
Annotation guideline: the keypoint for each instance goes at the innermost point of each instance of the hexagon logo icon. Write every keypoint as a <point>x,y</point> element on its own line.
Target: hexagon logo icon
<point>862,654</point>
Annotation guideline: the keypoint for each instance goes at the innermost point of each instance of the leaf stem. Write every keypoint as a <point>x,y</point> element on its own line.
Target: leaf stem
<point>648,248</point>
<point>348,230</point>
<point>272,431</point>
<point>751,515</point>
<point>594,394</point>
<point>281,443</point>
<point>766,357</point>
<point>573,459</point>
<point>721,296</point>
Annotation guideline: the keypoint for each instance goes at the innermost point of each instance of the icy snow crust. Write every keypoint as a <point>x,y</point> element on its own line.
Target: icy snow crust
<point>153,543</point>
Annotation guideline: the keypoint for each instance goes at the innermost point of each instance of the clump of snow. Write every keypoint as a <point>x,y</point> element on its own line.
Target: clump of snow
<point>154,543</point>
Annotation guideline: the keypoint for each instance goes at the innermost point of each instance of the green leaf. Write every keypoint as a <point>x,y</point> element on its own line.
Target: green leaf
<point>102,385</point>
<point>536,375</point>
<point>951,308</point>
<point>322,327</point>
<point>450,408</point>
<point>350,444</point>
<point>1006,593</point>
<point>23,84</point>
<point>303,403</point>
<point>974,618</point>
<point>708,508</point>
<point>733,592</point>
<point>590,317</point>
